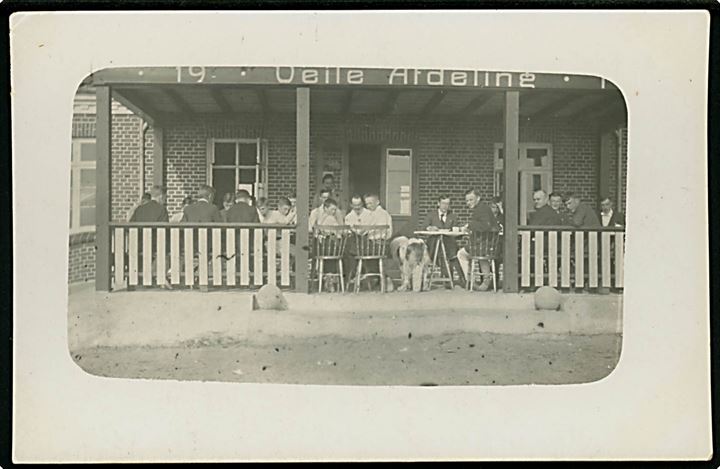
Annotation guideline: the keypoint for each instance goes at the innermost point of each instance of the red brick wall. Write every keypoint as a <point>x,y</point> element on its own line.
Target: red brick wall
<point>81,259</point>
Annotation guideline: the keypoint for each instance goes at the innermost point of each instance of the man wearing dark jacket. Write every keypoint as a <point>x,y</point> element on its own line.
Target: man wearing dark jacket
<point>481,219</point>
<point>608,216</point>
<point>203,210</point>
<point>152,211</point>
<point>443,218</point>
<point>580,215</point>
<point>543,215</point>
<point>242,211</point>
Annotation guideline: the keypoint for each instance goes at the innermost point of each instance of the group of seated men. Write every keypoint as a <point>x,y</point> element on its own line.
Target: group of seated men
<point>556,210</point>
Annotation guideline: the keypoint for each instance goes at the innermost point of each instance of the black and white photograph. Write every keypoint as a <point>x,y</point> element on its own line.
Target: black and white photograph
<point>335,225</point>
<point>360,236</point>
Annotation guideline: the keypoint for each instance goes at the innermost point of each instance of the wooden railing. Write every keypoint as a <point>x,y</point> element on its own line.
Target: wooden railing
<point>567,257</point>
<point>203,255</point>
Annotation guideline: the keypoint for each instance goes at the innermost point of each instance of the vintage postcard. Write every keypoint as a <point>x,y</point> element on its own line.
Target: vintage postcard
<point>334,236</point>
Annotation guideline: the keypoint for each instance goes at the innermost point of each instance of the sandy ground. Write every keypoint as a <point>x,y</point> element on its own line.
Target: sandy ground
<point>448,359</point>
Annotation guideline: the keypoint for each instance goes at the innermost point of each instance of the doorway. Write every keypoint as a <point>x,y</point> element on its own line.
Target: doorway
<point>364,168</point>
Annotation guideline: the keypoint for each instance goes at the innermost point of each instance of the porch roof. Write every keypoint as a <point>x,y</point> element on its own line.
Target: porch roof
<point>155,97</point>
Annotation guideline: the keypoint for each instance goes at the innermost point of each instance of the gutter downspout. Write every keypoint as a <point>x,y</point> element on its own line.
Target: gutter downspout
<point>143,130</point>
<point>619,133</point>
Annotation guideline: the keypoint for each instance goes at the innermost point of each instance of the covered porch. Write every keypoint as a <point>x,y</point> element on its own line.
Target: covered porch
<point>418,133</point>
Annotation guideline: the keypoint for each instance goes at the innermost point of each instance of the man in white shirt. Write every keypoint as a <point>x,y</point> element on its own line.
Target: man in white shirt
<point>267,216</point>
<point>317,211</point>
<point>609,217</point>
<point>358,215</point>
<point>378,216</point>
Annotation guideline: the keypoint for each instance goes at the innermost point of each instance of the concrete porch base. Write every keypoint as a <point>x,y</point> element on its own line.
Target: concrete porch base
<point>160,318</point>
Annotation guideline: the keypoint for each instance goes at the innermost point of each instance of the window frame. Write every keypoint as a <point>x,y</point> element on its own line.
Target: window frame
<point>260,166</point>
<point>76,168</point>
<point>385,181</point>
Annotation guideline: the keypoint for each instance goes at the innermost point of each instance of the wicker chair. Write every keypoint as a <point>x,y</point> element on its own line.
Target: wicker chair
<point>483,246</point>
<point>370,244</point>
<point>329,245</point>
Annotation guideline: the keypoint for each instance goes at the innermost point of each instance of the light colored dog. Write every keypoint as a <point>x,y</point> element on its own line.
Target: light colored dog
<point>413,257</point>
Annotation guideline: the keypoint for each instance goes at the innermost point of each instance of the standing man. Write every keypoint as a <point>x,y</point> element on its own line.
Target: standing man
<point>481,219</point>
<point>203,210</point>
<point>328,184</point>
<point>543,215</point>
<point>444,219</point>
<point>241,211</point>
<point>608,216</point>
<point>580,215</point>
<point>153,210</point>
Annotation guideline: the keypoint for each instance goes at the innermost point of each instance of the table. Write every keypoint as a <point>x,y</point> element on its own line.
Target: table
<point>440,248</point>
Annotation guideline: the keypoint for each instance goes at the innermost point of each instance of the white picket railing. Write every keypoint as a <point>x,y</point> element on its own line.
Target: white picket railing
<point>571,257</point>
<point>203,255</point>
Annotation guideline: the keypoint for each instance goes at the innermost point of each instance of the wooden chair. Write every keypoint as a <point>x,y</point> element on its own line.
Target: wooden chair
<point>483,246</point>
<point>370,244</point>
<point>329,245</point>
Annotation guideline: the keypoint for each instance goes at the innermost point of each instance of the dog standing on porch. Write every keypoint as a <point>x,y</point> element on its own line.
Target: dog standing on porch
<point>413,257</point>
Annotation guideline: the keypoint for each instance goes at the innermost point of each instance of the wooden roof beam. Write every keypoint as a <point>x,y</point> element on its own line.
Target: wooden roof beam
<point>389,105</point>
<point>476,103</point>
<point>132,100</point>
<point>556,106</point>
<point>179,101</point>
<point>221,101</point>
<point>433,103</point>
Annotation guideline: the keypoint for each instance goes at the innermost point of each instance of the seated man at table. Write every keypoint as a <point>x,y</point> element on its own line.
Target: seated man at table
<point>323,195</point>
<point>203,210</point>
<point>608,216</point>
<point>242,211</point>
<point>544,215</point>
<point>444,219</point>
<point>579,214</point>
<point>481,219</point>
<point>154,210</point>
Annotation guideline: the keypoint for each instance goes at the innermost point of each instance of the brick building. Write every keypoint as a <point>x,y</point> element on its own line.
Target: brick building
<point>414,142</point>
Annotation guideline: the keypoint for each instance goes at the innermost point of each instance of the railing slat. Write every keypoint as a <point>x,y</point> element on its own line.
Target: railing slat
<point>160,254</point>
<point>244,257</point>
<point>175,256</point>
<point>271,256</point>
<point>552,258</point>
<point>133,256</point>
<point>579,259</point>
<point>189,257</point>
<point>230,248</point>
<point>119,257</point>
<point>565,259</point>
<point>216,252</point>
<point>285,258</point>
<point>539,258</point>
<point>525,257</point>
<point>147,256</point>
<point>202,257</point>
<point>619,259</point>
<point>605,239</point>
<point>592,259</point>
<point>258,257</point>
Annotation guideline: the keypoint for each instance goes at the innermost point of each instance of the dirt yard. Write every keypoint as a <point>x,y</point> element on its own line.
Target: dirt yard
<point>449,359</point>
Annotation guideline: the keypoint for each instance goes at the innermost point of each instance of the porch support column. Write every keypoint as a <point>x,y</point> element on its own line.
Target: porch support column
<point>511,122</point>
<point>606,155</point>
<point>158,157</point>
<point>103,135</point>
<point>302,143</point>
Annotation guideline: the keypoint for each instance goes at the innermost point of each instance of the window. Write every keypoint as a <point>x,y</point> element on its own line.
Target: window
<point>82,185</point>
<point>398,181</point>
<point>235,164</point>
